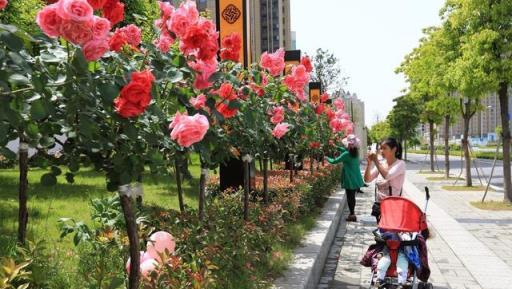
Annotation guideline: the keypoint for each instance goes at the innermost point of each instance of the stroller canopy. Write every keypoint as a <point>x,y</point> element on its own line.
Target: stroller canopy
<point>401,214</point>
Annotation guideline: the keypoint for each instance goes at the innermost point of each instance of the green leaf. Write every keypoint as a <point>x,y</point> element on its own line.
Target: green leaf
<point>132,132</point>
<point>116,283</point>
<point>12,41</point>
<point>109,91</point>
<point>56,170</point>
<point>74,166</point>
<point>7,153</point>
<point>70,178</point>
<point>18,79</point>
<point>175,76</point>
<point>80,63</point>
<point>38,110</point>
<point>216,76</point>
<point>32,130</point>
<point>48,180</point>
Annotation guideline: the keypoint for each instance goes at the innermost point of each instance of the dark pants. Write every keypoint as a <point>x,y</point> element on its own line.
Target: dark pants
<point>351,200</point>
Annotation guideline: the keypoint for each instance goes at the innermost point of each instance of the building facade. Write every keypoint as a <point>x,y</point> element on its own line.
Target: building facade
<point>355,108</point>
<point>482,126</point>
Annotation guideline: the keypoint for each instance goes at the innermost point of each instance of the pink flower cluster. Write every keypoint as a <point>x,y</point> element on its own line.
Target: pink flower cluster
<point>340,121</point>
<point>231,46</point>
<point>75,22</point>
<point>3,4</point>
<point>188,130</point>
<point>273,62</point>
<point>128,35</point>
<point>160,244</point>
<point>198,102</point>
<point>198,38</point>
<point>280,130</point>
<point>297,80</point>
<point>277,114</point>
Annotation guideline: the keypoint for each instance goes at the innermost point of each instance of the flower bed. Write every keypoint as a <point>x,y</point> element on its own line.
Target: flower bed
<point>235,253</point>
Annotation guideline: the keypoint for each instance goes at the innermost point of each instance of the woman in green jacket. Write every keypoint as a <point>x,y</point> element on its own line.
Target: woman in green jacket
<point>351,177</point>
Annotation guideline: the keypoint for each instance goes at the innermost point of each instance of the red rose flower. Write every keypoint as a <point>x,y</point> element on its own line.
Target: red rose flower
<point>113,10</point>
<point>136,95</point>
<point>97,4</point>
<point>231,46</point>
<point>307,63</point>
<point>226,112</point>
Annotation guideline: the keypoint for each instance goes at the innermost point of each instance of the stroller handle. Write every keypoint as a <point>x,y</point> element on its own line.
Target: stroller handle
<point>427,192</point>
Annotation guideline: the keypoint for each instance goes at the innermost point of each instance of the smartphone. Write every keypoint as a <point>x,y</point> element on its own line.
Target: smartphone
<point>374,148</point>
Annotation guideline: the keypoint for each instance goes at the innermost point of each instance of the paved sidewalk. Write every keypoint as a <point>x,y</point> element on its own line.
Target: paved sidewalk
<point>470,248</point>
<point>493,228</point>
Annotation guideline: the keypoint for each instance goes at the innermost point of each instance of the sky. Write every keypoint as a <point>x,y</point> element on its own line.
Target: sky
<point>370,37</point>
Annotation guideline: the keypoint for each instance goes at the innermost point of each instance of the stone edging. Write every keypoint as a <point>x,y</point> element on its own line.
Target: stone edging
<point>305,269</point>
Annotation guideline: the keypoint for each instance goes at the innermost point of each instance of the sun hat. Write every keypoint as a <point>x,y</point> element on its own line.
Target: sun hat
<point>351,141</point>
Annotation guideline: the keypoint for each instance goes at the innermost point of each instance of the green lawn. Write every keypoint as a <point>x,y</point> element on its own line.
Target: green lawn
<point>47,204</point>
<point>493,205</point>
<point>457,153</point>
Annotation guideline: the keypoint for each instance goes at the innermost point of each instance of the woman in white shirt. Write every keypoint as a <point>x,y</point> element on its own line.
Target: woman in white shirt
<point>390,172</point>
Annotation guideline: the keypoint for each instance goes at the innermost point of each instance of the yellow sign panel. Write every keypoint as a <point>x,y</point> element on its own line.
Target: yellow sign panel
<point>290,65</point>
<point>231,18</point>
<point>314,96</point>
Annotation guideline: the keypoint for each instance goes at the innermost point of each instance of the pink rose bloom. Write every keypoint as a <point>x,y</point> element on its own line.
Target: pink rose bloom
<point>330,114</point>
<point>143,257</point>
<point>324,97</point>
<point>133,34</point>
<point>3,4</point>
<point>147,267</point>
<point>277,115</point>
<point>160,243</point>
<point>188,130</point>
<point>183,17</point>
<point>49,21</point>
<point>349,129</point>
<point>274,62</point>
<point>338,124</point>
<point>166,10</point>
<point>75,10</point>
<point>204,69</point>
<point>280,130</point>
<point>95,48</point>
<point>163,43</point>
<point>297,80</point>
<point>320,108</point>
<point>76,32</point>
<point>339,104</point>
<point>264,79</point>
<point>198,102</point>
<point>101,27</point>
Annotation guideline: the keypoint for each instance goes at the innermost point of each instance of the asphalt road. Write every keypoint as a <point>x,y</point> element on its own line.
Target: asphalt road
<point>422,162</point>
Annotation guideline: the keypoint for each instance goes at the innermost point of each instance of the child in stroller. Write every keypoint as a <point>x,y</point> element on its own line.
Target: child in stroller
<point>399,256</point>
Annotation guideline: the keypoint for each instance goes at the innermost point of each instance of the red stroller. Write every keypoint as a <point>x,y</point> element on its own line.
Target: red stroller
<point>399,214</point>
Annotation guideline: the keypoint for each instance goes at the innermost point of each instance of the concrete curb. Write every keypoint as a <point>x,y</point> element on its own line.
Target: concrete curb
<point>305,269</point>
